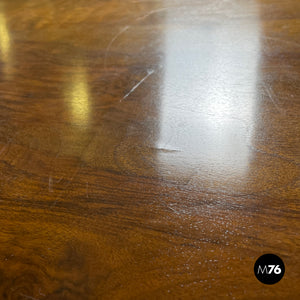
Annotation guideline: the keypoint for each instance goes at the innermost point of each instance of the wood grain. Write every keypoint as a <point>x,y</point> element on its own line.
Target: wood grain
<point>148,149</point>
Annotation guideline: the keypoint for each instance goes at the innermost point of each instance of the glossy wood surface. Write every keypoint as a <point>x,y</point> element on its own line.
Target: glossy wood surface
<point>148,149</point>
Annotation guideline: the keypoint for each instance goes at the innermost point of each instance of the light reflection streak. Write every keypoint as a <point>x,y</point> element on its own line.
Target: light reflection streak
<point>209,94</point>
<point>4,38</point>
<point>5,46</point>
<point>78,97</point>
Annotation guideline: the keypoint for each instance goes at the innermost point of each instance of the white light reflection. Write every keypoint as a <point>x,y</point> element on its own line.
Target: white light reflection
<point>209,94</point>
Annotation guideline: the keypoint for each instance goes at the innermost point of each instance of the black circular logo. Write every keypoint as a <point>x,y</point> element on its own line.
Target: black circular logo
<point>269,268</point>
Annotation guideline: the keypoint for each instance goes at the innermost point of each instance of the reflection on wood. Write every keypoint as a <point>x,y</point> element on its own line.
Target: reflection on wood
<point>148,149</point>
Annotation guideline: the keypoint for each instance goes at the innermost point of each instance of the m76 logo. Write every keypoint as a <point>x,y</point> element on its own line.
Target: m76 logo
<point>269,269</point>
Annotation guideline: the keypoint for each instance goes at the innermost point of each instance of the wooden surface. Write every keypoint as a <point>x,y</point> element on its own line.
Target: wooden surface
<point>148,149</point>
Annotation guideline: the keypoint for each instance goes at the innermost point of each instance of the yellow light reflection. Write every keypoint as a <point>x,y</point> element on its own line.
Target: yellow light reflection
<point>4,38</point>
<point>79,98</point>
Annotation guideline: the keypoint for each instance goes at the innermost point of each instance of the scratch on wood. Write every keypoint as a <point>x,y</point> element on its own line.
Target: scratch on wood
<point>112,41</point>
<point>151,13</point>
<point>28,297</point>
<point>272,98</point>
<point>50,184</point>
<point>138,84</point>
<point>41,293</point>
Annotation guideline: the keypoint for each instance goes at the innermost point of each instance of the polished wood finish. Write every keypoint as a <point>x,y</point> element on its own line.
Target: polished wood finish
<point>148,149</point>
